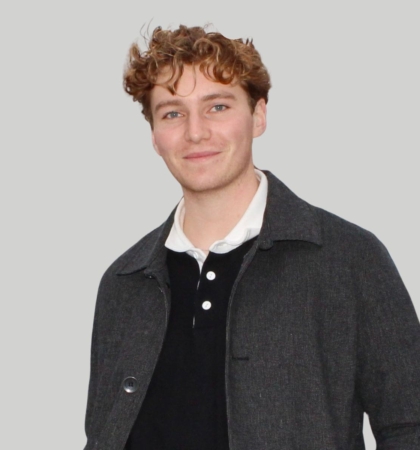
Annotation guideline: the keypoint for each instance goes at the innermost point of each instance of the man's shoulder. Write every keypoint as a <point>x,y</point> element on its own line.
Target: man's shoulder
<point>345,236</point>
<point>292,217</point>
<point>334,225</point>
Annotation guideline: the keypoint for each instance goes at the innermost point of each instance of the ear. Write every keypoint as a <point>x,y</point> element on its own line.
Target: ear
<point>155,146</point>
<point>260,118</point>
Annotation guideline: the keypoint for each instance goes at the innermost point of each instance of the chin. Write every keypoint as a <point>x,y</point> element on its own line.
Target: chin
<point>199,187</point>
<point>204,184</point>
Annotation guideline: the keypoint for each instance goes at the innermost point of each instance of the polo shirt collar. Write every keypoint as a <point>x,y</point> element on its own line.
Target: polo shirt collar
<point>248,226</point>
<point>287,218</point>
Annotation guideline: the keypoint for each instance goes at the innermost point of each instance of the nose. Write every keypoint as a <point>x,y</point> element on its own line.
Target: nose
<point>196,128</point>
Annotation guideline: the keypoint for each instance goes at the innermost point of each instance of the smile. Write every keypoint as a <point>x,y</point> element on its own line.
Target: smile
<point>201,155</point>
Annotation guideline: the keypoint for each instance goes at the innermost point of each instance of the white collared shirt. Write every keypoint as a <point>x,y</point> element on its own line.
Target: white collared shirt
<point>248,227</point>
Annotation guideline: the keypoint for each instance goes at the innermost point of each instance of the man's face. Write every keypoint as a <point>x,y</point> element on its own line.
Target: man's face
<point>204,132</point>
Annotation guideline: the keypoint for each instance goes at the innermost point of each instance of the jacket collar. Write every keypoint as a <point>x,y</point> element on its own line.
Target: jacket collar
<point>287,218</point>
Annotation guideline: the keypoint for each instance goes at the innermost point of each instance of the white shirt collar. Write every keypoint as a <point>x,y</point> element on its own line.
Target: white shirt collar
<point>248,226</point>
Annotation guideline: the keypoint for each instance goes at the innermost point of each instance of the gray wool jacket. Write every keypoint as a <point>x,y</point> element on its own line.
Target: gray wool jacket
<point>320,329</point>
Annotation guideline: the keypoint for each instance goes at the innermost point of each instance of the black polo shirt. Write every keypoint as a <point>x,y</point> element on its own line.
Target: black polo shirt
<point>185,405</point>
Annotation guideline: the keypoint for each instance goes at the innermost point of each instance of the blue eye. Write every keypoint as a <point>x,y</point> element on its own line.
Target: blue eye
<point>220,107</point>
<point>171,115</point>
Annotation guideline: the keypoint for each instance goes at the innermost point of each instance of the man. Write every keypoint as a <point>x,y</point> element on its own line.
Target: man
<point>250,319</point>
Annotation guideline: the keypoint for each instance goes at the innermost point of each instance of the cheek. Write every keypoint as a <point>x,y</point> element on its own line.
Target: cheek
<point>163,142</point>
<point>241,131</point>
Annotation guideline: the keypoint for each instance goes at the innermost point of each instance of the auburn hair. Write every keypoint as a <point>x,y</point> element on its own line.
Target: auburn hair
<point>218,58</point>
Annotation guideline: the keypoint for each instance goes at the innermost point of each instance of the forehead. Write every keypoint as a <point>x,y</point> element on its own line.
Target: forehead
<point>192,85</point>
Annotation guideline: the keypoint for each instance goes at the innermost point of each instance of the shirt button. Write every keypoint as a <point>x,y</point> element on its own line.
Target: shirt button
<point>210,275</point>
<point>206,305</point>
<point>130,385</point>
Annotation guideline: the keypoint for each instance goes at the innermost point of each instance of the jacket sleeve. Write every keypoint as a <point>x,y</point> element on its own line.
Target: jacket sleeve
<point>388,368</point>
<point>104,311</point>
<point>93,379</point>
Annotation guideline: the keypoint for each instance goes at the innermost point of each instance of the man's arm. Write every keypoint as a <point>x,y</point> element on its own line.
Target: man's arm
<point>93,380</point>
<point>105,308</point>
<point>388,376</point>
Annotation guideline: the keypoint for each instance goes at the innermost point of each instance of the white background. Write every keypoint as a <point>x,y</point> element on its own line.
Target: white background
<point>80,182</point>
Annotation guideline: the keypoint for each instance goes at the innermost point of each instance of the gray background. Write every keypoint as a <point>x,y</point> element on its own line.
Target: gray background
<point>80,182</point>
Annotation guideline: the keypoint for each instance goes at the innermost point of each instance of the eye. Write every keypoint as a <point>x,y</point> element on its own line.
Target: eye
<point>171,115</point>
<point>219,107</point>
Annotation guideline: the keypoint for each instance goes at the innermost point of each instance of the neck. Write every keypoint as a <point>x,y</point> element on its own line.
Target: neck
<point>210,216</point>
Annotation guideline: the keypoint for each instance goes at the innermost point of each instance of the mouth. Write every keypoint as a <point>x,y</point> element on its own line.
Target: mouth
<point>196,156</point>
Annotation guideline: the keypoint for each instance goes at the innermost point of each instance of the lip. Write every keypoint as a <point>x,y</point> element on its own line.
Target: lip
<point>201,155</point>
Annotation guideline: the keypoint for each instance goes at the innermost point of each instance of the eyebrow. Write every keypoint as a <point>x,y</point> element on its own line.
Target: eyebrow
<point>206,98</point>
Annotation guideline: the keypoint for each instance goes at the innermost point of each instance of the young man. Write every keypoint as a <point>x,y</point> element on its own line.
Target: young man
<point>250,319</point>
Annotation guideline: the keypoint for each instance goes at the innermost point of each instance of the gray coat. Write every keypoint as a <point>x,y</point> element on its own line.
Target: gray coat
<point>320,329</point>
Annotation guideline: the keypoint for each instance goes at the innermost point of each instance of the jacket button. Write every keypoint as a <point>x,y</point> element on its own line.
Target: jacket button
<point>130,385</point>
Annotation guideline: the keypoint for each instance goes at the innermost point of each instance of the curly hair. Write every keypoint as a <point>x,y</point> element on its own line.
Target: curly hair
<point>218,58</point>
